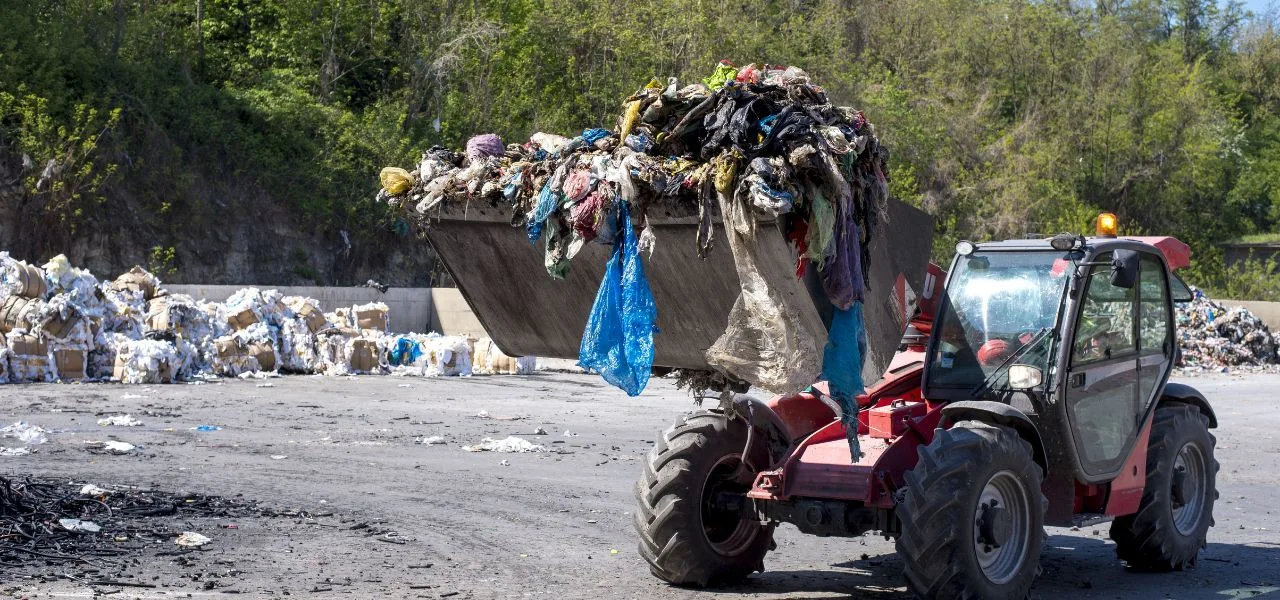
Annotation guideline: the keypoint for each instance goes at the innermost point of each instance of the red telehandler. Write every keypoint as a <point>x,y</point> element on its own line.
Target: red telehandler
<point>1030,389</point>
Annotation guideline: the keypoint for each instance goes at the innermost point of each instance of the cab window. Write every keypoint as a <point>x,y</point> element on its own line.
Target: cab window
<point>1153,307</point>
<point>1106,326</point>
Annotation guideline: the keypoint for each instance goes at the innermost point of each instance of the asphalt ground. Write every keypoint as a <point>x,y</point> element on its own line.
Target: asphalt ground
<point>360,509</point>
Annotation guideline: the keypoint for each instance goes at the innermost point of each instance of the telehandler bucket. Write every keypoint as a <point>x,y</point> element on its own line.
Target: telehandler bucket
<point>527,313</point>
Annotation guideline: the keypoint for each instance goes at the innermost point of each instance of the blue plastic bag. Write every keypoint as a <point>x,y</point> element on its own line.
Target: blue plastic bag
<point>404,352</point>
<point>842,368</point>
<point>548,200</point>
<point>618,339</point>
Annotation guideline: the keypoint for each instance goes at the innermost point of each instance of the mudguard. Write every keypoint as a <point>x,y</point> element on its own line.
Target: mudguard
<point>1000,414</point>
<point>1181,392</point>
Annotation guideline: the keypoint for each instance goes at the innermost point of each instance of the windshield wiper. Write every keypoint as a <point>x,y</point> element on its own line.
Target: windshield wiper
<point>1019,353</point>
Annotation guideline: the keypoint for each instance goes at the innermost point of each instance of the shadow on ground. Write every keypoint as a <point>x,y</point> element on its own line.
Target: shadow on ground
<point>1074,566</point>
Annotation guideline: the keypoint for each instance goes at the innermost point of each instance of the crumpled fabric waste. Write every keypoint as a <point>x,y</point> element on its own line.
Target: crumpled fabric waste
<point>842,368</point>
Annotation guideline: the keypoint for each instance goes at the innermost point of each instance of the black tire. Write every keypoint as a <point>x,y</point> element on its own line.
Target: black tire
<point>944,542</point>
<point>685,541</point>
<point>1170,527</point>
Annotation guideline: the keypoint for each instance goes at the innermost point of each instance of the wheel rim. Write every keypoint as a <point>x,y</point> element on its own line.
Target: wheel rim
<point>729,532</point>
<point>1188,488</point>
<point>1002,527</point>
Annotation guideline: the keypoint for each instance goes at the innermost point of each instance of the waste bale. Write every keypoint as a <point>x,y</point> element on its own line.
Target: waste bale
<point>1215,337</point>
<point>102,358</point>
<point>63,320</point>
<point>20,314</point>
<point>298,346</point>
<point>146,361</point>
<point>138,280</point>
<point>29,358</point>
<point>373,315</point>
<point>345,351</point>
<point>70,364</point>
<point>17,278</point>
<point>78,285</point>
<point>250,350</point>
<point>4,359</point>
<point>309,310</point>
<point>488,359</point>
<point>445,355</point>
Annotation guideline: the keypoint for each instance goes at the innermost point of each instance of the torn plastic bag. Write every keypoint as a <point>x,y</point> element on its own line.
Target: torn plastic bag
<point>404,351</point>
<point>618,339</point>
<point>772,338</point>
<point>484,145</point>
<point>724,73</point>
<point>395,180</point>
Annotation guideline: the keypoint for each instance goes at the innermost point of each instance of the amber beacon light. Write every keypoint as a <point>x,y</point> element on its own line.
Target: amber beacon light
<point>1107,225</point>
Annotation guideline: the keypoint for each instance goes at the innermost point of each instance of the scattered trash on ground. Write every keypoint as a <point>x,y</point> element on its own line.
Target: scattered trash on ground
<point>191,539</point>
<point>206,428</point>
<point>110,447</point>
<point>434,440</point>
<point>484,414</point>
<point>120,421</point>
<point>79,526</point>
<point>510,444</point>
<point>25,433</point>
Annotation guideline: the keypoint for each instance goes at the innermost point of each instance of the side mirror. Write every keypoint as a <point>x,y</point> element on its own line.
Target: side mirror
<point>1024,377</point>
<point>1124,269</point>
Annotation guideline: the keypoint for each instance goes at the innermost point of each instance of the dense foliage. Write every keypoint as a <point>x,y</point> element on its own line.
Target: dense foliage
<point>1004,116</point>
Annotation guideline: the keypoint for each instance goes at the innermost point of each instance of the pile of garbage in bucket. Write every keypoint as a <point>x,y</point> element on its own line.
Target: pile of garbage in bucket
<point>747,145</point>
<point>59,323</point>
<point>1220,338</point>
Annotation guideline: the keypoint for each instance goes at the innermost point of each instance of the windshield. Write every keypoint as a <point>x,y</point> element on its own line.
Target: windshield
<point>997,303</point>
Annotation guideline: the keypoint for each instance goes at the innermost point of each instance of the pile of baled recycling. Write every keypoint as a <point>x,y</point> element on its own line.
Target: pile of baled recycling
<point>59,323</point>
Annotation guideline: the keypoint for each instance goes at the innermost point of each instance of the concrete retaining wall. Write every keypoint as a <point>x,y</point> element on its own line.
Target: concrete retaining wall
<point>1269,312</point>
<point>451,315</point>
<point>410,307</point>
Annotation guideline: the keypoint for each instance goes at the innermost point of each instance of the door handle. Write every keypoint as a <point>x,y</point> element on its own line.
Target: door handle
<point>1077,380</point>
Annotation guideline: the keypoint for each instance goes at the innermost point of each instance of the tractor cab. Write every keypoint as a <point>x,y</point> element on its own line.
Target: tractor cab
<point>1007,313</point>
<point>1075,333</point>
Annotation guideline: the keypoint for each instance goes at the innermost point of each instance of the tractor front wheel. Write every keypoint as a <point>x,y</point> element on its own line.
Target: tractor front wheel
<point>696,526</point>
<point>1176,512</point>
<point>973,515</point>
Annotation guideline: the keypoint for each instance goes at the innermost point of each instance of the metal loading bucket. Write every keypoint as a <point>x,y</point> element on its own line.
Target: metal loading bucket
<point>527,313</point>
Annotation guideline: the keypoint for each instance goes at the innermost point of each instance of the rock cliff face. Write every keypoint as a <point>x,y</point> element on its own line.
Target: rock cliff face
<point>226,231</point>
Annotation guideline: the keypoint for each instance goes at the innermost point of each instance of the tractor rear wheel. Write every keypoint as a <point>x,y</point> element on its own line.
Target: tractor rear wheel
<point>973,515</point>
<point>695,525</point>
<point>1176,512</point>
